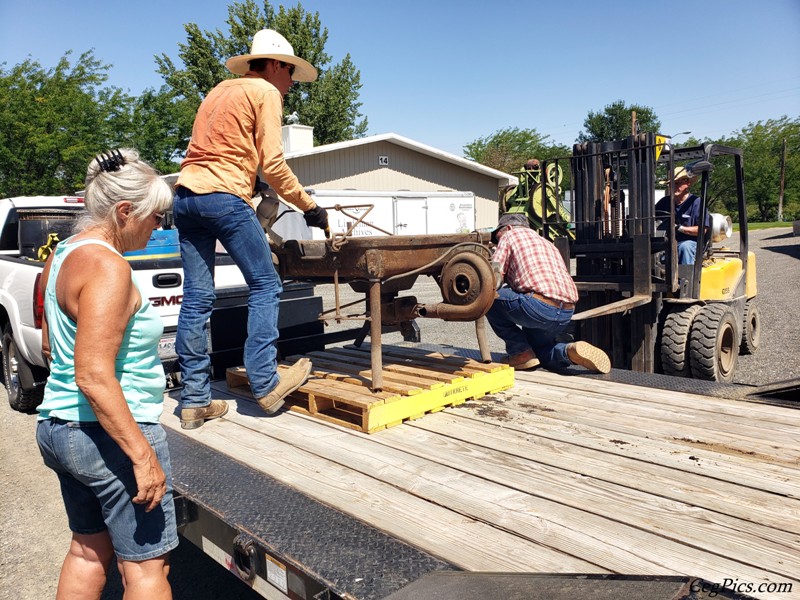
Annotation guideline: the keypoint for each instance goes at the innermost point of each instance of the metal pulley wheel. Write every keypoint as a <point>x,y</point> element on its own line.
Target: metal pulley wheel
<point>463,278</point>
<point>554,175</point>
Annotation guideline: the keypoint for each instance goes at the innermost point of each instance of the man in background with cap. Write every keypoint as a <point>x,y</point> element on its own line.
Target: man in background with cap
<point>237,130</point>
<point>535,305</point>
<point>687,214</point>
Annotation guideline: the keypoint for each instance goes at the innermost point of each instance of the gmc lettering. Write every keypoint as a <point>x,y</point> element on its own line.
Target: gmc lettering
<point>166,300</point>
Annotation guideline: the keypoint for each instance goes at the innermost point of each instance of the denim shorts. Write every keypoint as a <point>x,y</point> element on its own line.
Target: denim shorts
<point>98,486</point>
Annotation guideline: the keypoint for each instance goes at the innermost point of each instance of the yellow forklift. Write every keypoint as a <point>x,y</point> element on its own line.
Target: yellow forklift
<point>648,312</point>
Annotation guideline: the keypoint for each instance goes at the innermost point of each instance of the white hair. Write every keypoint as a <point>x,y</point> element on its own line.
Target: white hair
<point>134,181</point>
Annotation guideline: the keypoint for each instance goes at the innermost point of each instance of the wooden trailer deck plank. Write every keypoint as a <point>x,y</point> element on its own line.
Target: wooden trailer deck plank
<point>468,543</point>
<point>453,477</point>
<point>500,484</point>
<point>752,472</point>
<point>669,398</point>
<point>512,462</point>
<point>696,412</point>
<point>646,537</point>
<point>776,511</point>
<point>746,440</point>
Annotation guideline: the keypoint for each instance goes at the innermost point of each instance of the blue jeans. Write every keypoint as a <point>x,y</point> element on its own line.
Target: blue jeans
<point>202,219</point>
<point>98,486</point>
<point>523,323</point>
<point>687,249</point>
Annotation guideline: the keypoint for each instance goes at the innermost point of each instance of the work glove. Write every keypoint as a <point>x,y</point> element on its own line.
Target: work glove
<point>317,217</point>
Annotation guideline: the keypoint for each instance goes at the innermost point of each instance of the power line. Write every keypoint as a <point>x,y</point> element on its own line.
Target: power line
<point>693,109</point>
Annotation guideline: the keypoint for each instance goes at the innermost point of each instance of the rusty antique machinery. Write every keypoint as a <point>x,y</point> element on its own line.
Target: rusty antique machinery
<point>383,266</point>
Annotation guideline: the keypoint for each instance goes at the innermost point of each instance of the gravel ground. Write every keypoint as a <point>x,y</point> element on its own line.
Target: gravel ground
<point>33,530</point>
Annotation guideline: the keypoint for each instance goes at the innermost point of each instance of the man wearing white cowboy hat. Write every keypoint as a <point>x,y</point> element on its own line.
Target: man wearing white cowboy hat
<point>237,130</point>
<point>687,213</point>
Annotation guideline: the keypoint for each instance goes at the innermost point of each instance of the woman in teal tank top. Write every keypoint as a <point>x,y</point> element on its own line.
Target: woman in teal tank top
<point>99,421</point>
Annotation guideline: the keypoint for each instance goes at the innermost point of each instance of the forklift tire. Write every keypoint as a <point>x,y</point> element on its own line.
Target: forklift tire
<point>675,340</point>
<point>714,344</point>
<point>751,328</point>
<point>16,371</point>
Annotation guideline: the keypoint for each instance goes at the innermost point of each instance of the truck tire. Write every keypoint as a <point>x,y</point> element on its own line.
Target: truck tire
<point>21,397</point>
<point>675,340</point>
<point>714,344</point>
<point>751,328</point>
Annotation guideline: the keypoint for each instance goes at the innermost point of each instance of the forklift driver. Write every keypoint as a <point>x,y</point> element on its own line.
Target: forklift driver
<point>687,214</point>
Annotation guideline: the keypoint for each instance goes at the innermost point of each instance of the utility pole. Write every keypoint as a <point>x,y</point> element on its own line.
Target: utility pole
<point>783,178</point>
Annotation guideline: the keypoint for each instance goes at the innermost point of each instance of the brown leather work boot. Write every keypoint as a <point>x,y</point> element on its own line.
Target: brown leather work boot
<point>192,418</point>
<point>588,356</point>
<point>291,379</point>
<point>523,360</point>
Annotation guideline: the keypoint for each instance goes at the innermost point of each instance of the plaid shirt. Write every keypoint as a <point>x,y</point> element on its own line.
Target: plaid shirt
<point>531,263</point>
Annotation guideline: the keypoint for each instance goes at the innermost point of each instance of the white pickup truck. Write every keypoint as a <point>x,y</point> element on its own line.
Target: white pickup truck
<point>29,227</point>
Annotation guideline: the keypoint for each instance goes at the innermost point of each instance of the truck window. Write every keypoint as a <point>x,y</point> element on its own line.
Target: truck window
<point>9,236</point>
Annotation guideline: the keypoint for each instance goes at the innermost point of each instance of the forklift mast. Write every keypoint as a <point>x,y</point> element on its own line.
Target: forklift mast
<point>625,255</point>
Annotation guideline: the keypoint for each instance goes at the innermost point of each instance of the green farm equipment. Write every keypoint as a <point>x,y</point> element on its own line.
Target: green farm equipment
<point>540,198</point>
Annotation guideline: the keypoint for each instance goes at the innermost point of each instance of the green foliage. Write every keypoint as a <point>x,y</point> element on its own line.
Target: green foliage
<point>508,149</point>
<point>53,121</point>
<point>330,104</point>
<point>614,122</point>
<point>334,114</point>
<point>158,125</point>
<point>762,145</point>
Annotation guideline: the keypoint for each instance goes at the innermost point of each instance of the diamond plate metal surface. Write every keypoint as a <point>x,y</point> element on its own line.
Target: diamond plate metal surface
<point>350,557</point>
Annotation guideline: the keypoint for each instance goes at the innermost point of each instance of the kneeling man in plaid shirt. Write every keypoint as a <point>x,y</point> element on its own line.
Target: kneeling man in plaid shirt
<point>536,303</point>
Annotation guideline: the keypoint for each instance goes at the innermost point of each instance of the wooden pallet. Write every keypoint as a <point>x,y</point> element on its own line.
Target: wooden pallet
<point>415,382</point>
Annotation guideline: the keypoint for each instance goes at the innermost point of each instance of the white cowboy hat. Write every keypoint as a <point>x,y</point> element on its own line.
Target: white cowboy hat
<point>271,44</point>
<point>680,173</point>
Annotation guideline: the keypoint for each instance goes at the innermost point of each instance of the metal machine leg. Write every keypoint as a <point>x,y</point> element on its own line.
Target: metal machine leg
<point>483,341</point>
<point>375,334</point>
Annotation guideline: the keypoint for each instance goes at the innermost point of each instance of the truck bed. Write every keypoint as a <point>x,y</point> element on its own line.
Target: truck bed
<point>561,474</point>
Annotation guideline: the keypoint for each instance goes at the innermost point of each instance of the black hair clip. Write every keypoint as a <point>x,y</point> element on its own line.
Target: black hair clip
<point>110,161</point>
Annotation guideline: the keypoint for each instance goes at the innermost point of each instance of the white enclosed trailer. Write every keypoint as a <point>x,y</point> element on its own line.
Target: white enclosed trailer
<point>397,213</point>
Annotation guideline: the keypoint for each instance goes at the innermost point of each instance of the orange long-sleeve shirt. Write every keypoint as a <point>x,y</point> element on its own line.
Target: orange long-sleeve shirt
<point>236,130</point>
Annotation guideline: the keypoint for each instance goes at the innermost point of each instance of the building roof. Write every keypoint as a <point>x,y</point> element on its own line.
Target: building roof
<point>504,179</point>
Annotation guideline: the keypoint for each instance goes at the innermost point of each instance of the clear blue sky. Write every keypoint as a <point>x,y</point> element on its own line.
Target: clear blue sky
<point>445,73</point>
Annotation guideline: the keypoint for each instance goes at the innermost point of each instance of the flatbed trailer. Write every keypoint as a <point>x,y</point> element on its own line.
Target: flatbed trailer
<point>625,485</point>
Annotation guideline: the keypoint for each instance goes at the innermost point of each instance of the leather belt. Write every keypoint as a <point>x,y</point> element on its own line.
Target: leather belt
<point>551,302</point>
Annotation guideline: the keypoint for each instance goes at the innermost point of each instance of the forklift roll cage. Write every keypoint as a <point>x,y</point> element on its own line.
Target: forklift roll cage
<point>625,264</point>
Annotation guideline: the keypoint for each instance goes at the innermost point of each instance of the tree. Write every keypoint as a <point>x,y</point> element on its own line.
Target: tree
<point>762,146</point>
<point>614,122</point>
<point>158,125</point>
<point>53,122</point>
<point>330,104</point>
<point>507,149</point>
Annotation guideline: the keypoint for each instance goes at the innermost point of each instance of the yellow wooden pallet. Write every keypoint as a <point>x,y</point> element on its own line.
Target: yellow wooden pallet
<point>415,382</point>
